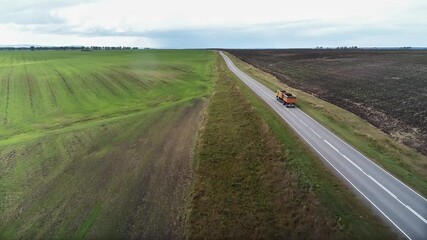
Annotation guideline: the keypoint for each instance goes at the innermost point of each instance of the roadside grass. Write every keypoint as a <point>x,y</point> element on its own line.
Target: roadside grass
<point>256,179</point>
<point>122,170</point>
<point>405,163</point>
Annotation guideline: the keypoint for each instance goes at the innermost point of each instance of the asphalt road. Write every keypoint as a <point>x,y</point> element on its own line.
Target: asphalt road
<point>400,205</point>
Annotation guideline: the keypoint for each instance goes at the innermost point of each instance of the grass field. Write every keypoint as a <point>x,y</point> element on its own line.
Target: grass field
<point>406,163</point>
<point>255,179</point>
<point>387,88</point>
<point>49,90</point>
<point>98,144</point>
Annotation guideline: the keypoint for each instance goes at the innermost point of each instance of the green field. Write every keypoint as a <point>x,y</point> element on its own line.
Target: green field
<point>49,90</point>
<point>98,144</point>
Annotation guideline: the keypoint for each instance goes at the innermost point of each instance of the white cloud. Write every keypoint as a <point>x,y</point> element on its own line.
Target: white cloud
<point>148,22</point>
<point>13,34</point>
<point>163,14</point>
<point>18,5</point>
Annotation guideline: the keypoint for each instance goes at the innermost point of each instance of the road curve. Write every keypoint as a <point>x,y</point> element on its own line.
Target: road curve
<point>394,201</point>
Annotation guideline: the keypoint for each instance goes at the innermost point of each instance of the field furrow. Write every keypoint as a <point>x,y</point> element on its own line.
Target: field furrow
<point>122,85</point>
<point>52,93</point>
<point>7,97</point>
<point>87,85</point>
<point>104,84</point>
<point>67,85</point>
<point>30,89</point>
<point>120,74</point>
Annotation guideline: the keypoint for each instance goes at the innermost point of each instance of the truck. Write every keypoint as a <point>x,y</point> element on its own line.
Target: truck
<point>287,98</point>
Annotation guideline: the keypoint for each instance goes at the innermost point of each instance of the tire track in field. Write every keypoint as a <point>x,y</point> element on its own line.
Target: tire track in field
<point>52,93</point>
<point>87,85</point>
<point>133,79</point>
<point>30,89</point>
<point>120,82</point>
<point>67,85</point>
<point>7,96</point>
<point>65,82</point>
<point>104,84</point>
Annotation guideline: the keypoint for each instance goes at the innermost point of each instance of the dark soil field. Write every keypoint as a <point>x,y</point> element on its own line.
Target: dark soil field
<point>387,88</point>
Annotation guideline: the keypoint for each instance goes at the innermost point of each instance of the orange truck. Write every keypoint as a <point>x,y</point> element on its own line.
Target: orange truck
<point>287,98</point>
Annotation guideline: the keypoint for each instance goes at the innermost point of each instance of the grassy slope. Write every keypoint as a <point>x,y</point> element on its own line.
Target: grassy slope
<point>255,179</point>
<point>108,166</point>
<point>406,163</point>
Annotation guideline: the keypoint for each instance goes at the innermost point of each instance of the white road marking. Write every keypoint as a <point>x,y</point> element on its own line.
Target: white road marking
<point>363,156</point>
<point>293,114</point>
<point>314,132</point>
<point>354,164</point>
<point>378,183</point>
<point>418,215</point>
<point>382,186</point>
<point>303,123</point>
<point>332,146</point>
<point>395,197</point>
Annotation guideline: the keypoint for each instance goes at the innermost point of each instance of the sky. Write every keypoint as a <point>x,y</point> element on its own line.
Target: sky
<point>214,24</point>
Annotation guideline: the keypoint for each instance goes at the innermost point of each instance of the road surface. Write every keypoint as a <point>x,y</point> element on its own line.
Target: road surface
<point>403,207</point>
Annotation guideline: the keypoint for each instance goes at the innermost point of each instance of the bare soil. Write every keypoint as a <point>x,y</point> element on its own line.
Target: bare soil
<point>387,88</point>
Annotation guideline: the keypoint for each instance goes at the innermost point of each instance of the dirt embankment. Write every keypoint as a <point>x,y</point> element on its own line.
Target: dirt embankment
<point>387,88</point>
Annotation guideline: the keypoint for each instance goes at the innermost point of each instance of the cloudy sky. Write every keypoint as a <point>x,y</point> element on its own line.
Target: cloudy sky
<point>219,23</point>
